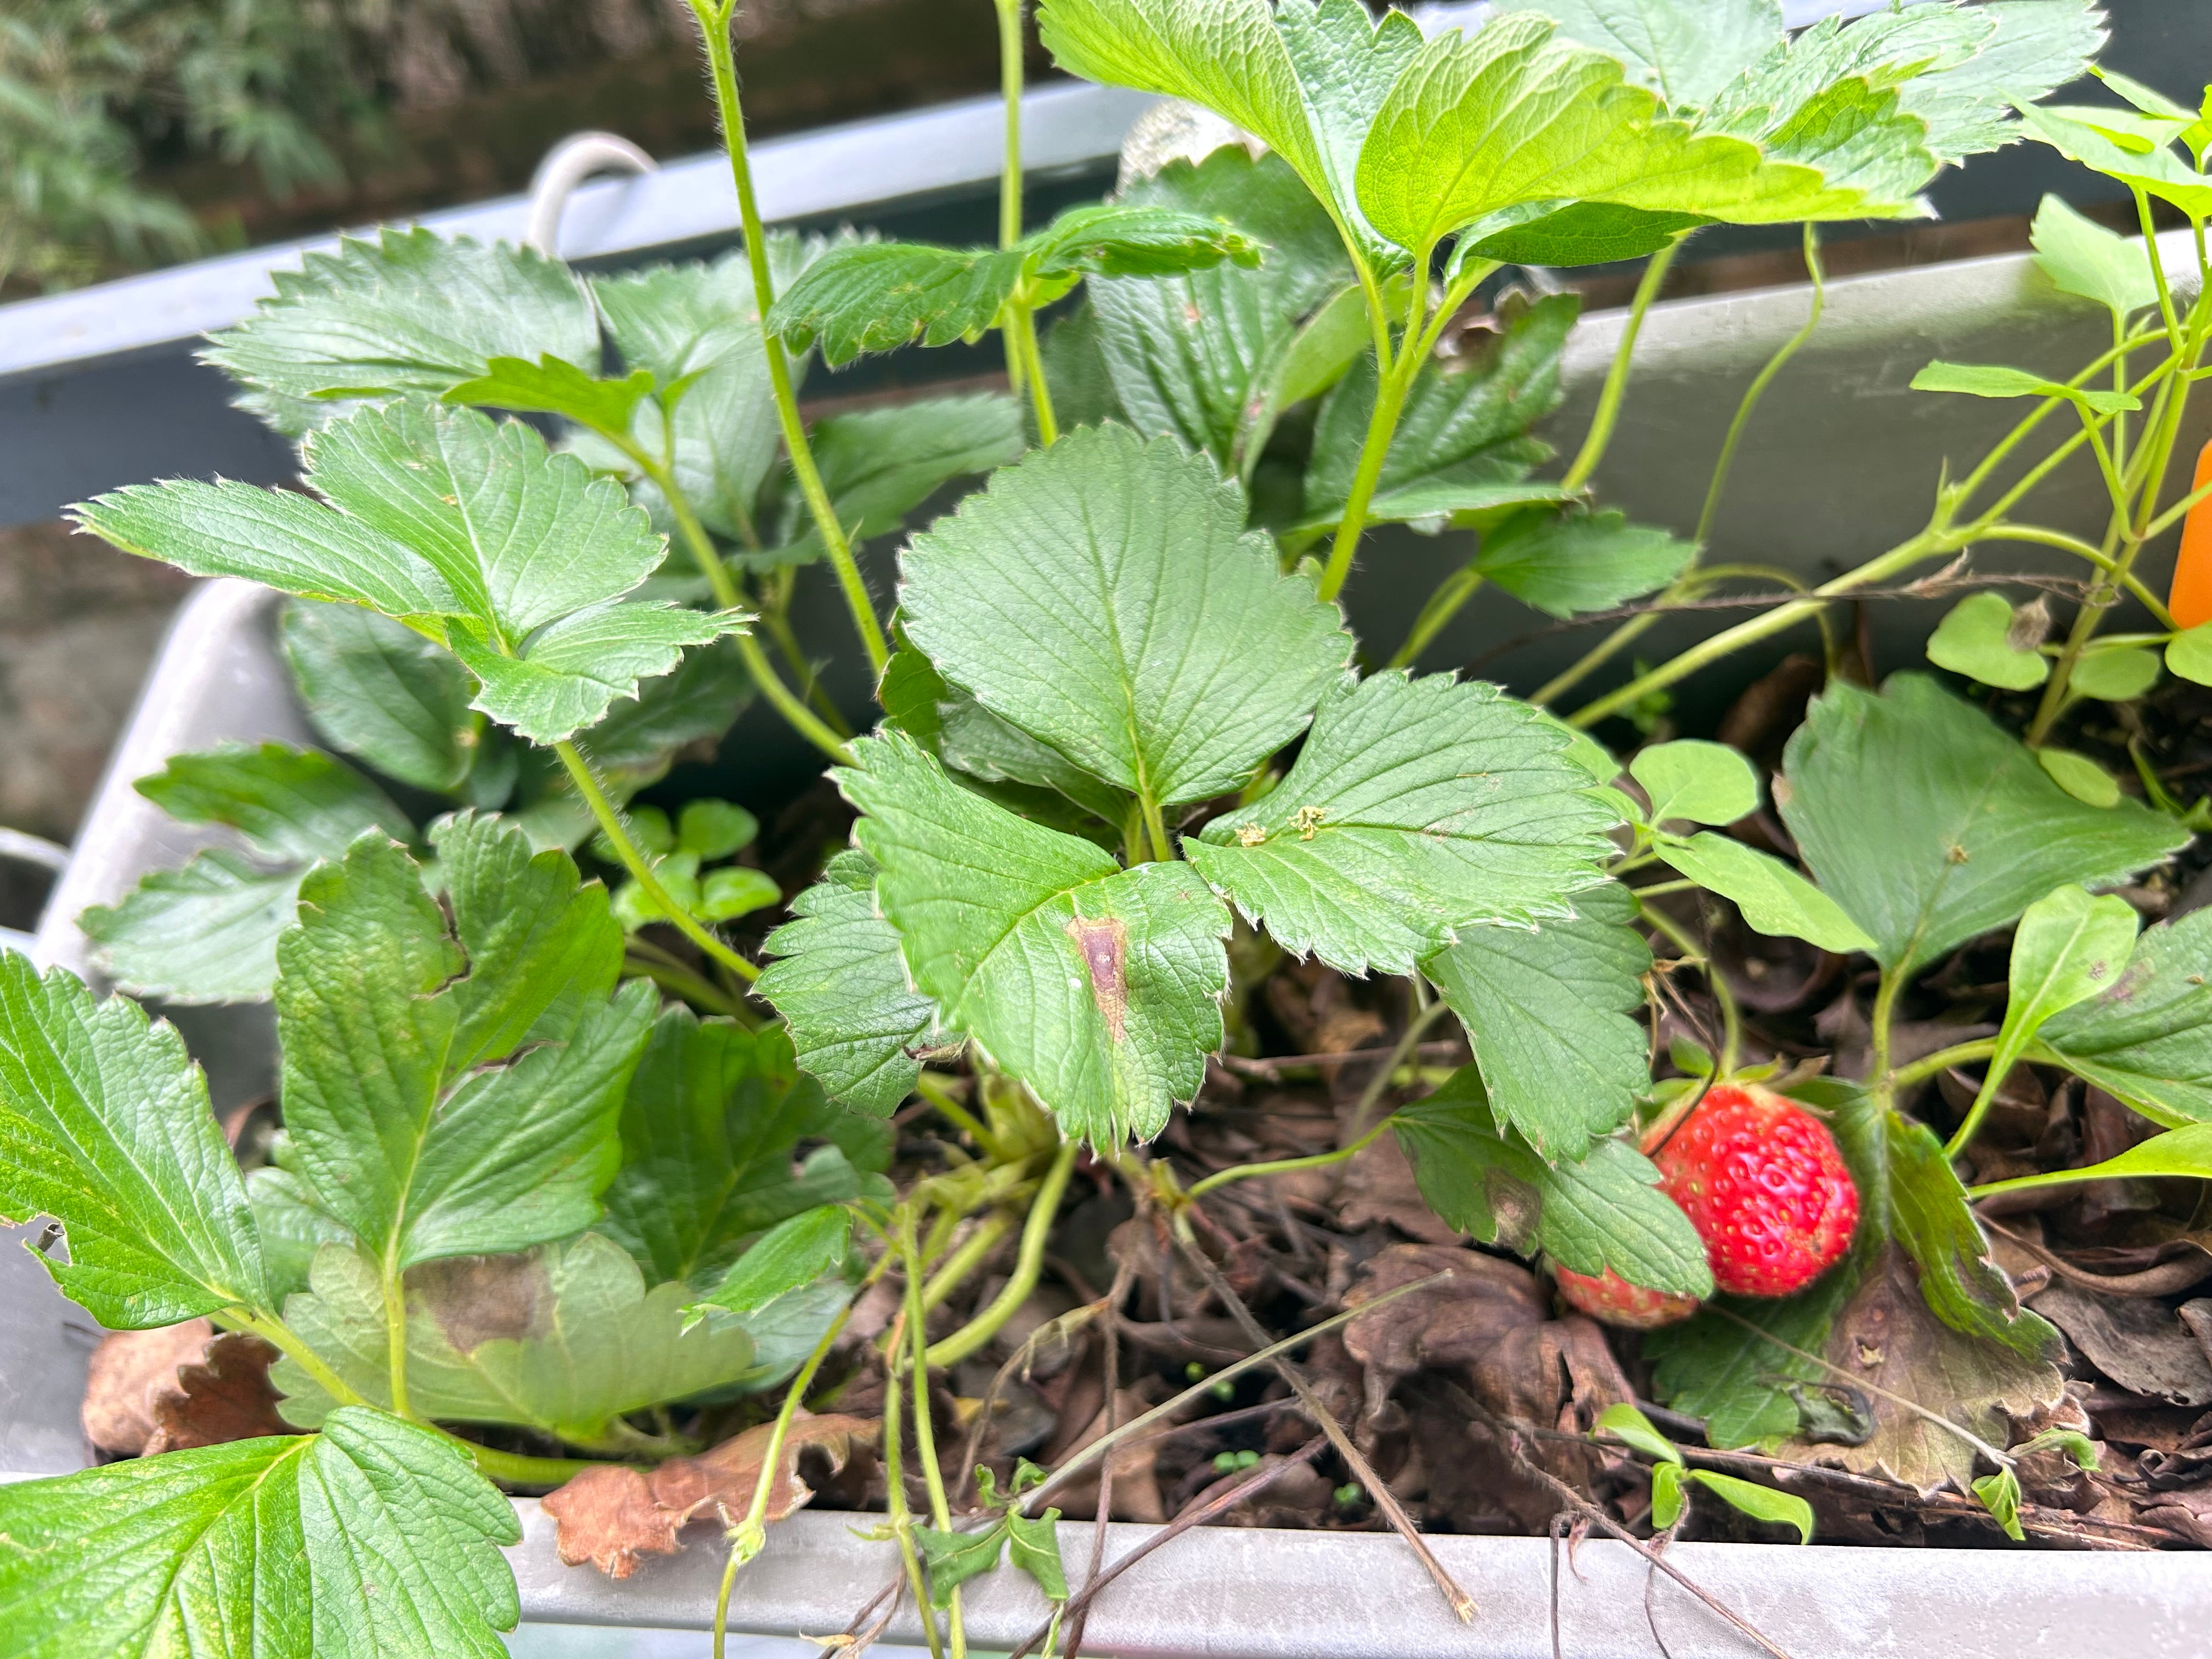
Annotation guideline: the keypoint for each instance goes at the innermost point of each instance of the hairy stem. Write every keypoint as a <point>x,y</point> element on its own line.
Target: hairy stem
<point>1920,1071</point>
<point>395,1336</point>
<point>1029,1263</point>
<point>956,1268</point>
<point>1616,378</point>
<point>612,825</point>
<point>279,1335</point>
<point>721,63</point>
<point>1381,427</point>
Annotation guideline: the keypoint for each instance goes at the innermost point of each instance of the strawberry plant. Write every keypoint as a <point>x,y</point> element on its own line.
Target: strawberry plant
<point>572,1178</point>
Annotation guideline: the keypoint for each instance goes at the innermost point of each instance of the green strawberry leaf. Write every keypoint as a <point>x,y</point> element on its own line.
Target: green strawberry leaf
<point>1189,356</point>
<point>1971,832</point>
<point>1704,782</point>
<point>1685,51</point>
<point>1604,1213</point>
<point>2083,257</point>
<point>1566,563</point>
<point>1097,987</point>
<point>2068,948</point>
<point>105,1126</point>
<point>843,989</point>
<point>383,693</point>
<point>1983,638</point>
<point>207,932</point>
<point>373,1538</point>
<point>2147,1039</point>
<point>1419,811</point>
<point>1760,1503</point>
<point>2120,675</point>
<point>563,1340</point>
<point>1581,234</point>
<point>1548,1011</point>
<point>552,386</point>
<point>410,311</point>
<point>701,699</point>
<point>1995,380</point>
<point>2149,165</point>
<point>2185,1152</point>
<point>1033,1548</point>
<point>1462,437</point>
<point>517,557</point>
<point>1104,597</point>
<point>1773,898</point>
<point>791,1255</point>
<point>710,1133</point>
<point>878,296</point>
<point>421,1155</point>
<point>951,1558</point>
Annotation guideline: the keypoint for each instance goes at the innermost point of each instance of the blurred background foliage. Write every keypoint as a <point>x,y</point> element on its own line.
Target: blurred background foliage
<point>137,132</point>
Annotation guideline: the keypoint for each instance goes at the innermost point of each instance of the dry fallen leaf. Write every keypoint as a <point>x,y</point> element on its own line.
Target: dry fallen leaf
<point>614,1516</point>
<point>148,1392</point>
<point>1455,1322</point>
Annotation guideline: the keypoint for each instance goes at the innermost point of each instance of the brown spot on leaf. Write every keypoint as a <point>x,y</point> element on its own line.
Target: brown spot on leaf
<point>614,1517</point>
<point>1104,943</point>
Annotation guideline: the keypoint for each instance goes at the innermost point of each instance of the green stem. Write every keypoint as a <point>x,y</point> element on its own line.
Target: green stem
<point>1156,831</point>
<point>279,1335</point>
<point>1287,1165</point>
<point>1453,592</point>
<point>964,1260</point>
<point>1028,1264</point>
<point>1021,328</point>
<point>1381,427</point>
<point>516,1469</point>
<point>1616,378</point>
<point>1756,390</point>
<point>610,824</point>
<point>2093,555</point>
<point>1920,1071</point>
<point>951,1109</point>
<point>690,986</point>
<point>2174,514</point>
<point>901,1517</point>
<point>750,1536</point>
<point>1928,544</point>
<point>2028,1183</point>
<point>1884,1011</point>
<point>721,63</point>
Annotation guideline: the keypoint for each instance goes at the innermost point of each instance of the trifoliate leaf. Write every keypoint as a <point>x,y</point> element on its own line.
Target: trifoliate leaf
<point>104,1125</point>
<point>2081,257</point>
<point>381,692</point>
<point>1604,1212</point>
<point>420,1157</point>
<point>2147,1040</point>
<point>1982,638</point>
<point>1104,597</point>
<point>563,1340</point>
<point>710,1133</point>
<point>789,1256</point>
<point>1548,1011</point>
<point>841,986</point>
<point>1462,437</point>
<point>1704,782</point>
<point>1189,356</point>
<point>410,311</point>
<point>373,1540</point>
<point>1774,899</point>
<point>1969,830</point>
<point>1418,809</point>
<point>208,932</point>
<point>1564,564</point>
<point>1097,987</point>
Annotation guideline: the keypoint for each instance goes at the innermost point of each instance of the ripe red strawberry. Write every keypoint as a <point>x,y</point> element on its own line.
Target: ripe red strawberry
<point>1614,1301</point>
<point>1761,1181</point>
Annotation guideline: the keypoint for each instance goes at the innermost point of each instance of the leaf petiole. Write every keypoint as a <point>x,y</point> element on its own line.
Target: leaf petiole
<point>1029,1264</point>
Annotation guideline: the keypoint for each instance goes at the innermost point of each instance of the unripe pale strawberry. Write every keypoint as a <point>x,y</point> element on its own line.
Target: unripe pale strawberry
<point>1612,1300</point>
<point>1761,1181</point>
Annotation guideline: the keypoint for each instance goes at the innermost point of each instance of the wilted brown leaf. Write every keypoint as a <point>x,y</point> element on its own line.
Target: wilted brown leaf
<point>1456,1323</point>
<point>1886,1336</point>
<point>2141,1344</point>
<point>614,1516</point>
<point>148,1392</point>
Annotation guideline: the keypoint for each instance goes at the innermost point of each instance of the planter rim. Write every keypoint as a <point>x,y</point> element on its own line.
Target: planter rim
<point>1247,1593</point>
